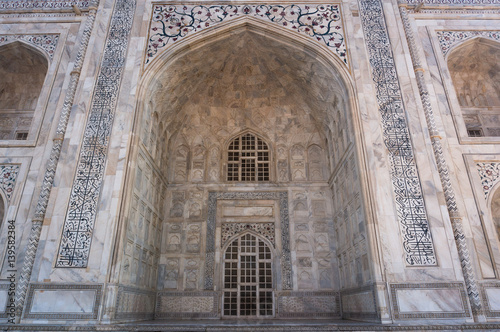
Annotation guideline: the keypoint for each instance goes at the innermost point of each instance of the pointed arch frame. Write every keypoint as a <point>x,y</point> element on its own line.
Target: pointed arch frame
<point>339,72</point>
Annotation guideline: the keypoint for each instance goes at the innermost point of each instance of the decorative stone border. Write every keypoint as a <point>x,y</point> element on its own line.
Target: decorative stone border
<point>448,39</point>
<point>62,287</point>
<point>171,23</point>
<point>22,5</point>
<point>286,260</point>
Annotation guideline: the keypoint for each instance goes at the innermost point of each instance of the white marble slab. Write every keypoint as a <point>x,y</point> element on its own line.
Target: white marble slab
<point>429,300</point>
<point>63,301</point>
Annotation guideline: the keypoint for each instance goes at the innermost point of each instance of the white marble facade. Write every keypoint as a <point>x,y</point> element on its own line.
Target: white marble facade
<point>378,197</point>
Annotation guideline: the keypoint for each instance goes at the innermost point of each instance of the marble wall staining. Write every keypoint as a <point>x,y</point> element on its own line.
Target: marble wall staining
<point>20,64</point>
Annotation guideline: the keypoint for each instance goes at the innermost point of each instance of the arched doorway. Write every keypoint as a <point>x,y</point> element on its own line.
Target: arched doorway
<point>248,278</point>
<point>291,106</point>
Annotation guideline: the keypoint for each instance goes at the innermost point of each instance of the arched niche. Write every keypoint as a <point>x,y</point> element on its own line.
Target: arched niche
<point>23,70</point>
<point>475,71</point>
<point>209,88</point>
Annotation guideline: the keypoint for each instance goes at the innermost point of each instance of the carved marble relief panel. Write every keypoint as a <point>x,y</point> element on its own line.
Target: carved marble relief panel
<point>312,239</point>
<point>144,227</point>
<point>349,223</point>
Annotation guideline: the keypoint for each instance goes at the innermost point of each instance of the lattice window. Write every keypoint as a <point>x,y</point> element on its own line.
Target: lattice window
<point>248,159</point>
<point>248,283</point>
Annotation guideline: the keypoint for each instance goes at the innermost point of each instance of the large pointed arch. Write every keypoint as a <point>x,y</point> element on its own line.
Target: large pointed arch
<point>327,102</point>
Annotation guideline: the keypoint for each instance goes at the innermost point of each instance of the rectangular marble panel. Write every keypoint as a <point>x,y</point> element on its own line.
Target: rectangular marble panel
<point>63,301</point>
<point>186,304</point>
<point>429,300</point>
<point>3,299</point>
<point>247,211</point>
<point>493,296</point>
<point>308,304</point>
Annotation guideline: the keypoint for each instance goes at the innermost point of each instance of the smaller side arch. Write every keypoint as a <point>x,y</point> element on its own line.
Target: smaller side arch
<point>20,63</point>
<point>475,72</point>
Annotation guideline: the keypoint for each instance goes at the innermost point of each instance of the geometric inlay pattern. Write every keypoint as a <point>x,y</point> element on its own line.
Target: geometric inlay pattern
<point>79,223</point>
<point>489,174</point>
<point>412,215</point>
<point>173,22</point>
<point>285,259</point>
<point>47,42</point>
<point>447,39</point>
<point>8,175</point>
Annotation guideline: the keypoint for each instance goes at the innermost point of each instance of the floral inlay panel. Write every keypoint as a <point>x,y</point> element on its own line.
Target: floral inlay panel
<point>448,39</point>
<point>489,174</point>
<point>47,42</point>
<point>171,23</point>
<point>8,176</point>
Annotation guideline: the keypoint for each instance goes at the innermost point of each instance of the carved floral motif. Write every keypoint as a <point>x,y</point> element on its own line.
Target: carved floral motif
<point>489,174</point>
<point>47,42</point>
<point>8,175</point>
<point>447,39</point>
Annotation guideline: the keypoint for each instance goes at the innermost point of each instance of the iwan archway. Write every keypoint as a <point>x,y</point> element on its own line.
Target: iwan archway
<point>244,129</point>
